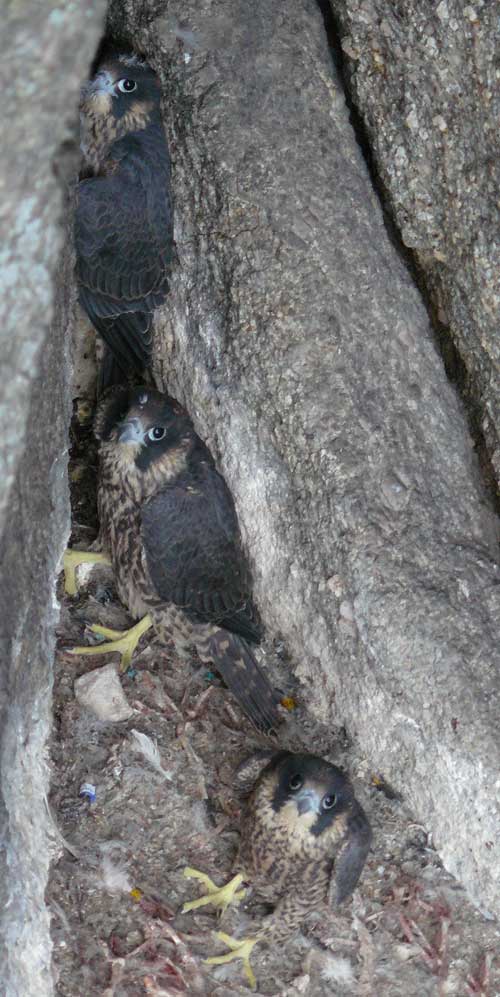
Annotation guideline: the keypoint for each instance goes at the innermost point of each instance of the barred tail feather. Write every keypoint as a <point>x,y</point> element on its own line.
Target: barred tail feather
<point>234,660</point>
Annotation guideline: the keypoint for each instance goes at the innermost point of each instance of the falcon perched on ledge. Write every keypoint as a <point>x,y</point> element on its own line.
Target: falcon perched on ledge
<point>304,840</point>
<point>124,221</point>
<point>169,523</point>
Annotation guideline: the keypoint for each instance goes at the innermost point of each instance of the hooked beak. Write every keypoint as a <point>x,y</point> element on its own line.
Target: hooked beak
<point>103,83</point>
<point>307,801</point>
<point>131,431</point>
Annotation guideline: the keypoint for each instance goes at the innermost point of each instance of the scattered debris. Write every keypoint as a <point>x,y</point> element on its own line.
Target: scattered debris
<point>88,792</point>
<point>383,787</point>
<point>197,767</point>
<point>478,983</point>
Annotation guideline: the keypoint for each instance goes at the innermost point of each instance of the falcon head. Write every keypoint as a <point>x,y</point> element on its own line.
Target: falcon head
<point>119,84</point>
<point>315,802</point>
<point>122,97</point>
<point>148,434</point>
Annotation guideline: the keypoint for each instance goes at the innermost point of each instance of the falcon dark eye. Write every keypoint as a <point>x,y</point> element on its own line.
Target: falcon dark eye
<point>157,433</point>
<point>329,801</point>
<point>127,86</point>
<point>295,783</point>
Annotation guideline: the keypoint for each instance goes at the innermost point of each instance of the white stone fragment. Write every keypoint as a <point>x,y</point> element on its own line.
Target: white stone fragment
<point>440,122</point>
<point>471,14</point>
<point>411,121</point>
<point>100,692</point>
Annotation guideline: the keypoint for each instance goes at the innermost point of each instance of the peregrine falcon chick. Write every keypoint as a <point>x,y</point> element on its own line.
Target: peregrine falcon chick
<point>304,840</point>
<point>123,220</point>
<point>168,521</point>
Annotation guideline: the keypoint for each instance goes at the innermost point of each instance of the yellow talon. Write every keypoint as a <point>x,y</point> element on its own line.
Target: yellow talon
<point>124,641</point>
<point>241,948</point>
<point>218,896</point>
<point>107,632</point>
<point>71,560</point>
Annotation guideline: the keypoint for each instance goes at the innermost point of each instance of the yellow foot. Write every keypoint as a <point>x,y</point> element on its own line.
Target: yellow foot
<point>71,560</point>
<point>241,948</point>
<point>124,641</point>
<point>218,896</point>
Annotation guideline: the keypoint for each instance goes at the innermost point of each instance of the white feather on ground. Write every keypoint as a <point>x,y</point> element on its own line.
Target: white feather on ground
<point>115,876</point>
<point>57,909</point>
<point>149,750</point>
<point>57,833</point>
<point>337,969</point>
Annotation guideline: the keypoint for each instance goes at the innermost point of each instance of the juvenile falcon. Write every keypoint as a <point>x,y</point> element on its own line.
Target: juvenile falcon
<point>123,220</point>
<point>304,840</point>
<point>168,521</point>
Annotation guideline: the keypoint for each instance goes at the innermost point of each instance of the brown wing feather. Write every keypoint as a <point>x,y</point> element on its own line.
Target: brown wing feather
<point>194,554</point>
<point>124,245</point>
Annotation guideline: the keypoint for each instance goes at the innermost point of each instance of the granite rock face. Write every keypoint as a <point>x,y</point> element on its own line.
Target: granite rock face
<point>302,348</point>
<point>425,79</point>
<point>47,48</point>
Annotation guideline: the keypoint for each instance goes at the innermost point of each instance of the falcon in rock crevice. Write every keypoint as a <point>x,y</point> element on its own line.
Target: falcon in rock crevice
<point>304,841</point>
<point>168,522</point>
<point>123,225</point>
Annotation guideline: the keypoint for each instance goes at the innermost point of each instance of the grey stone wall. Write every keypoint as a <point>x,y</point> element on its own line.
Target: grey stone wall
<point>300,344</point>
<point>424,77</point>
<point>296,337</point>
<point>47,47</point>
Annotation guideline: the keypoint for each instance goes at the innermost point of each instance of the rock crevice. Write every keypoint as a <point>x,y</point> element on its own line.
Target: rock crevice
<point>301,346</point>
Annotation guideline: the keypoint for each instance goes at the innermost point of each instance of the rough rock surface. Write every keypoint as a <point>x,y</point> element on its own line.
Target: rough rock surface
<point>47,46</point>
<point>425,79</point>
<point>299,342</point>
